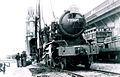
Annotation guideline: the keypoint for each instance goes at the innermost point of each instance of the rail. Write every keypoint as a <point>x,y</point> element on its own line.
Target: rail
<point>105,72</point>
<point>70,73</point>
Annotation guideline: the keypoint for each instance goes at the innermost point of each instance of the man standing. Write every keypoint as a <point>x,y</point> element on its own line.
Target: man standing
<point>18,59</point>
<point>46,33</point>
<point>23,58</point>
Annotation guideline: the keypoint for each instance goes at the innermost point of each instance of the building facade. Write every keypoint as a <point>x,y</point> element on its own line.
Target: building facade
<point>30,29</point>
<point>105,16</point>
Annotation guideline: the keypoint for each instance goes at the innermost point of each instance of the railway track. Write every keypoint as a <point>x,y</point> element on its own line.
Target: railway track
<point>70,73</point>
<point>106,73</point>
<point>57,69</point>
<point>102,71</point>
<point>94,73</point>
<point>82,72</point>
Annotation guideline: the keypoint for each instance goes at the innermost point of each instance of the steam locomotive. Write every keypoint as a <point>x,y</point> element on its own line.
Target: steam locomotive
<point>63,44</point>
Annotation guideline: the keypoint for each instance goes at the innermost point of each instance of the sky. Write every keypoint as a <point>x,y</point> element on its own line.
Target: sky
<point>13,15</point>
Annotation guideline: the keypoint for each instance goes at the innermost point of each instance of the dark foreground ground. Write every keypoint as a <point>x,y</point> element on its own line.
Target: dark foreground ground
<point>41,70</point>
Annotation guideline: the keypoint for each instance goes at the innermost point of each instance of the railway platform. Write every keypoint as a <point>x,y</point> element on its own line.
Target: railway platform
<point>14,71</point>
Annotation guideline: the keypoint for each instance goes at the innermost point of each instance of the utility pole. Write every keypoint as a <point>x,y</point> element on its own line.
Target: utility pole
<point>40,35</point>
<point>38,30</point>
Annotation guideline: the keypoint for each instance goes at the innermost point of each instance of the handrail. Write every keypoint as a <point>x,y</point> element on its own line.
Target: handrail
<point>4,65</point>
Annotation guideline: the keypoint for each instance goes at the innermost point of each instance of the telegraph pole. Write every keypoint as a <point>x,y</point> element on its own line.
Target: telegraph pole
<point>38,30</point>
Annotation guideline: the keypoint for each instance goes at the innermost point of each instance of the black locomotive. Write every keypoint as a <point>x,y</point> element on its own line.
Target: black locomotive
<point>62,43</point>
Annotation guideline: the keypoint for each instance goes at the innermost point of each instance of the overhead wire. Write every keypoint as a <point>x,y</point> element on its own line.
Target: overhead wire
<point>52,9</point>
<point>42,15</point>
